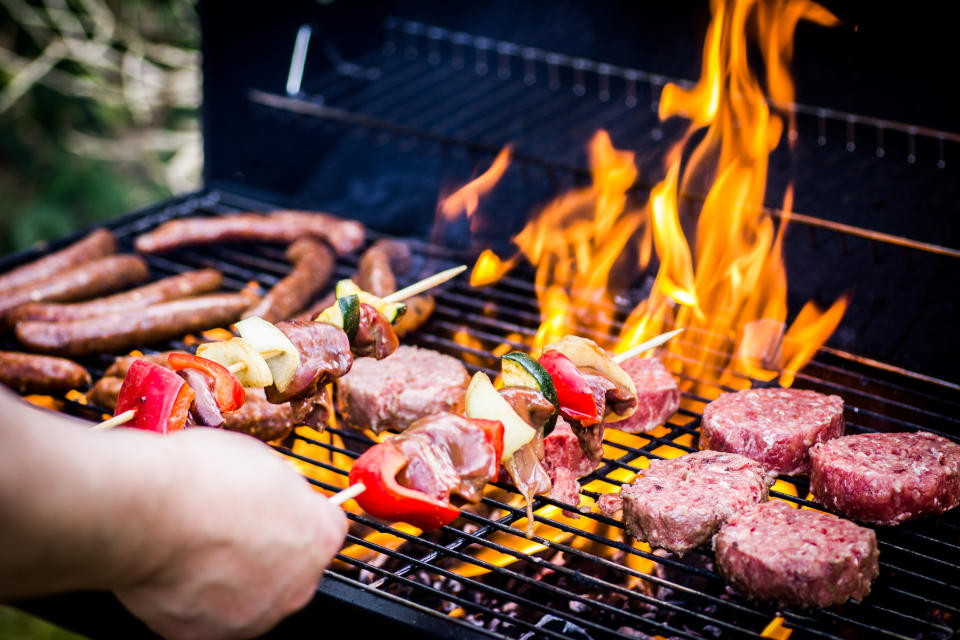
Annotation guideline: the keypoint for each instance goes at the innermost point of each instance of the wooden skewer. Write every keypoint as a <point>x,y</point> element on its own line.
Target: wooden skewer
<point>426,283</point>
<point>348,493</point>
<point>116,420</point>
<point>645,346</point>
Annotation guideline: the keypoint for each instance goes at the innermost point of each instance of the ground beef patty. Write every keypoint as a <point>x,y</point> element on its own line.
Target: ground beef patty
<point>658,396</point>
<point>775,427</point>
<point>408,385</point>
<point>886,478</point>
<point>802,557</point>
<point>679,504</point>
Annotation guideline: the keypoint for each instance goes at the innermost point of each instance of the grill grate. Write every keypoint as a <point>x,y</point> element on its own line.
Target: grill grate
<point>581,578</point>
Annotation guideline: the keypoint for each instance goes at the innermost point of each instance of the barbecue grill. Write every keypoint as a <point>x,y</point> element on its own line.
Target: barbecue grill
<point>370,121</point>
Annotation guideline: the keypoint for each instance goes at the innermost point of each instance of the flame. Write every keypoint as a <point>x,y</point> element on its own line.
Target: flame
<point>467,198</point>
<point>489,268</point>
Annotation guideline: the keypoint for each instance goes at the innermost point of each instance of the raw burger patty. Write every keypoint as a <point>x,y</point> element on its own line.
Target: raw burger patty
<point>679,504</point>
<point>658,396</point>
<point>408,385</point>
<point>775,427</point>
<point>886,478</point>
<point>772,551</point>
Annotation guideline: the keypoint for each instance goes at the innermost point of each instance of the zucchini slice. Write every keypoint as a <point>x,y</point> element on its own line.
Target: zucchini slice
<point>392,311</point>
<point>587,354</point>
<point>483,401</point>
<point>520,370</point>
<point>344,313</point>
<point>264,336</point>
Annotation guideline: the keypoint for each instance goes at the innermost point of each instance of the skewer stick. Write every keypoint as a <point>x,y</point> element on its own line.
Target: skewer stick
<point>645,346</point>
<point>116,420</point>
<point>426,283</point>
<point>348,493</point>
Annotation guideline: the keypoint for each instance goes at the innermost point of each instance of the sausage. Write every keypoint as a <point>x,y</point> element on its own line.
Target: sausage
<point>91,279</point>
<point>313,265</point>
<point>279,226</point>
<point>30,373</point>
<point>120,331</point>
<point>419,310</point>
<point>172,288</point>
<point>103,394</point>
<point>261,419</point>
<point>379,265</point>
<point>122,363</point>
<point>95,245</point>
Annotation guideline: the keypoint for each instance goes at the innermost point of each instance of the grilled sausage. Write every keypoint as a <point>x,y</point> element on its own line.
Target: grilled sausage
<point>30,373</point>
<point>122,363</point>
<point>261,419</point>
<point>172,288</point>
<point>279,226</point>
<point>419,310</point>
<point>313,265</point>
<point>119,331</point>
<point>91,279</point>
<point>103,394</point>
<point>95,245</point>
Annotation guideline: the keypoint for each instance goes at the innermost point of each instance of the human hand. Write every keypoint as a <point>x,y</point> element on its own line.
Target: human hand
<point>243,541</point>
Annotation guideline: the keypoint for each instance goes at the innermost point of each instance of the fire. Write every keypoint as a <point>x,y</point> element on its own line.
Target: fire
<point>466,198</point>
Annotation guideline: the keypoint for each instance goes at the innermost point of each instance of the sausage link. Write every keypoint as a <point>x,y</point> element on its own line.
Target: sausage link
<point>172,288</point>
<point>121,331</point>
<point>122,363</point>
<point>90,279</point>
<point>279,226</point>
<point>380,264</point>
<point>103,394</point>
<point>313,265</point>
<point>97,244</point>
<point>30,373</point>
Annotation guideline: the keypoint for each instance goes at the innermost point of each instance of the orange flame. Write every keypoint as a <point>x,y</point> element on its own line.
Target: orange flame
<point>467,198</point>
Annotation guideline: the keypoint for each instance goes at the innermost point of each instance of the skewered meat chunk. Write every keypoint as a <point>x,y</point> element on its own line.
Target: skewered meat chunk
<point>119,331</point>
<point>279,226</point>
<point>96,244</point>
<point>30,373</point>
<point>313,265</point>
<point>565,462</point>
<point>407,385</point>
<point>658,396</point>
<point>775,427</point>
<point>680,504</point>
<point>261,419</point>
<point>172,288</point>
<point>88,280</point>
<point>324,355</point>
<point>886,478</point>
<point>802,557</point>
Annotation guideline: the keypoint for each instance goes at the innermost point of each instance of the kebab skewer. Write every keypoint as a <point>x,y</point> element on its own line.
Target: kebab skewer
<point>266,356</point>
<point>414,485</point>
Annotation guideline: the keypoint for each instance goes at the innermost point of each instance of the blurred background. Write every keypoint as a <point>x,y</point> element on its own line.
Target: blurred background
<point>98,115</point>
<point>98,111</point>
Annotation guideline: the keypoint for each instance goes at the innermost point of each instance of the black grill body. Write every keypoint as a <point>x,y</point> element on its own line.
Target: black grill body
<point>398,102</point>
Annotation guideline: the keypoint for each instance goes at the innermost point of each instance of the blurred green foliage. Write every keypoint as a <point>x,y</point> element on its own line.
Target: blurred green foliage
<point>98,111</point>
<point>15,625</point>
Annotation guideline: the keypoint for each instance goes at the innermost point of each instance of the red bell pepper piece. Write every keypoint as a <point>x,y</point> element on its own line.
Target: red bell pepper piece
<point>227,390</point>
<point>160,397</point>
<point>493,434</point>
<point>386,498</point>
<point>573,391</point>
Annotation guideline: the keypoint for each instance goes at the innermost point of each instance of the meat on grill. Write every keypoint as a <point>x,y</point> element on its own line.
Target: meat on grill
<point>279,226</point>
<point>30,373</point>
<point>172,288</point>
<point>658,396</point>
<point>261,419</point>
<point>680,504</point>
<point>565,462</point>
<point>313,264</point>
<point>103,394</point>
<point>324,355</point>
<point>886,478</point>
<point>446,453</point>
<point>375,337</point>
<point>93,278</point>
<point>772,551</point>
<point>407,385</point>
<point>121,364</point>
<point>380,264</point>
<point>96,244</point>
<point>775,427</point>
<point>120,331</point>
<point>525,468</point>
